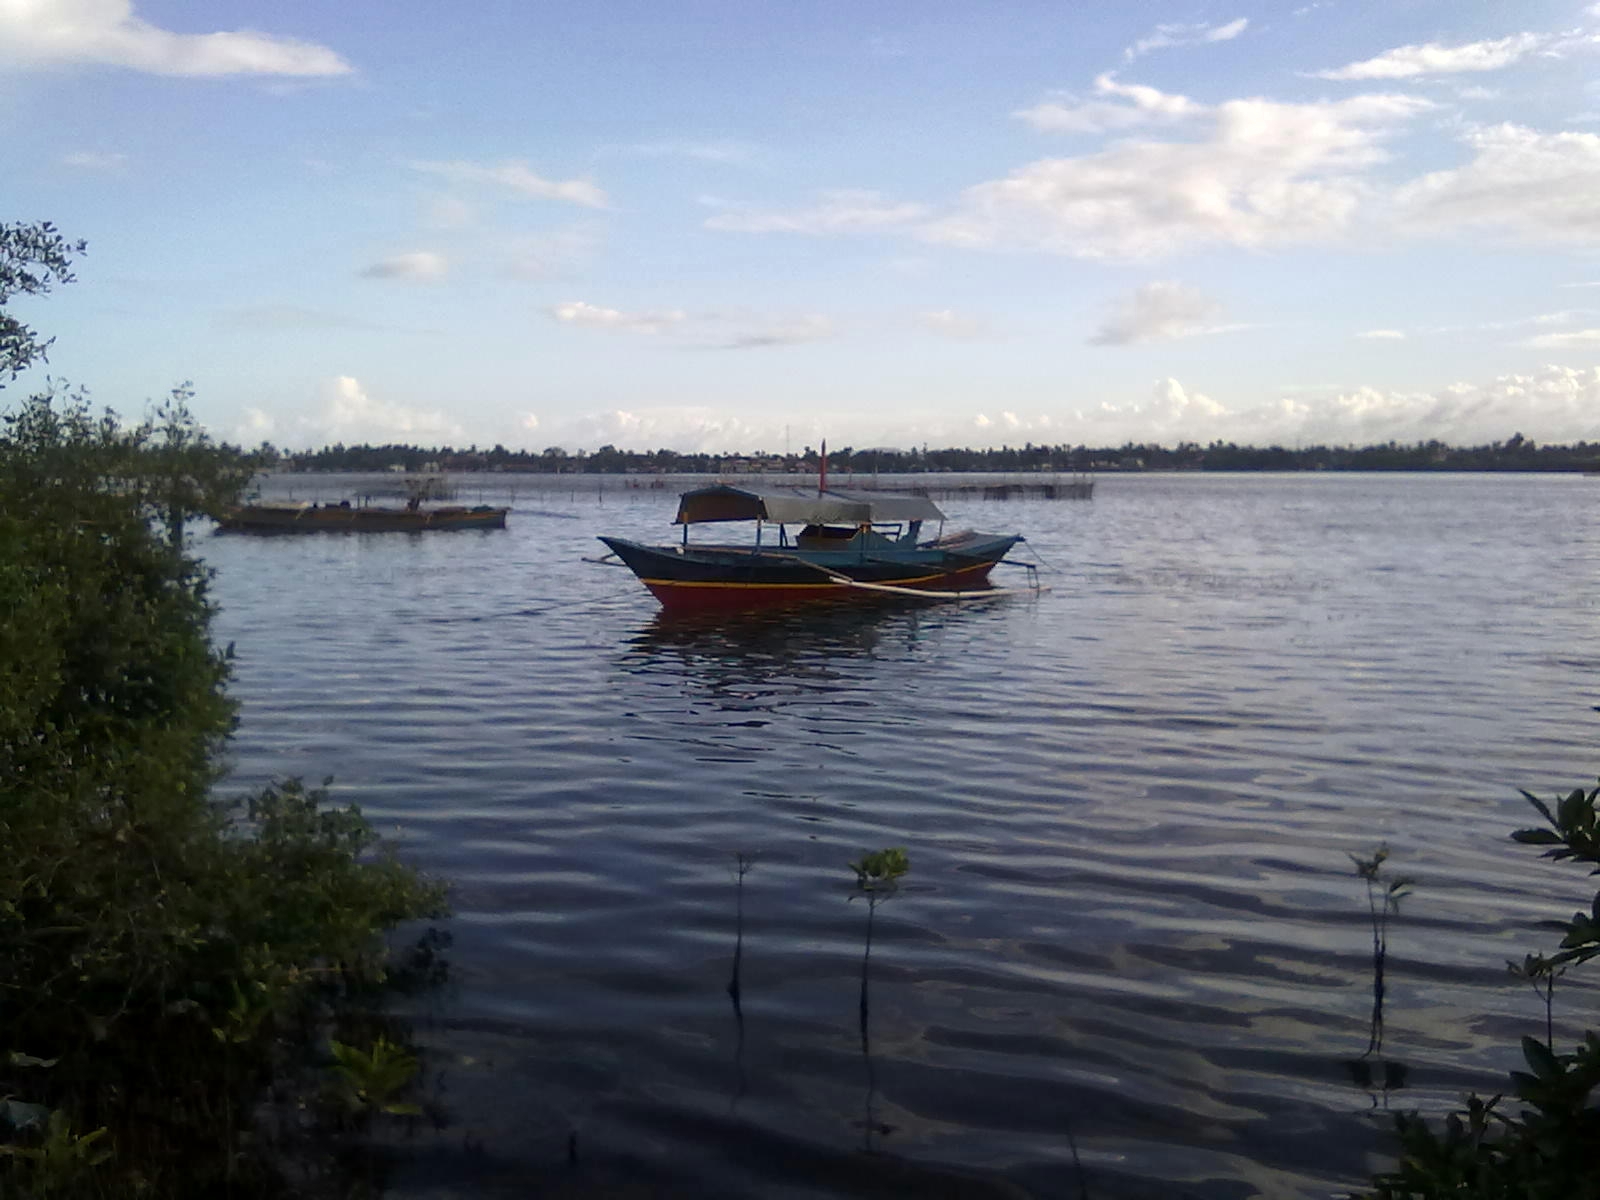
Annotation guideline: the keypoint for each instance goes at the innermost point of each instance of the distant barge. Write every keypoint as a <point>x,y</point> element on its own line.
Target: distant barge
<point>346,518</point>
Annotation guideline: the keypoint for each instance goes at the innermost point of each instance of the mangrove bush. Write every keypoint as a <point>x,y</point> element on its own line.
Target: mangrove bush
<point>168,961</point>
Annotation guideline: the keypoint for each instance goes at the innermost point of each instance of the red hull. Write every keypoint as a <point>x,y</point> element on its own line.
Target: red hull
<point>706,597</point>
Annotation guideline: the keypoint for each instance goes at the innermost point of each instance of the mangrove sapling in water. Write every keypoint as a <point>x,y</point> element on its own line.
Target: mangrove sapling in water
<point>742,864</point>
<point>1545,1151</point>
<point>1383,902</point>
<point>878,876</point>
<point>1541,974</point>
<point>1384,894</point>
<point>372,1083</point>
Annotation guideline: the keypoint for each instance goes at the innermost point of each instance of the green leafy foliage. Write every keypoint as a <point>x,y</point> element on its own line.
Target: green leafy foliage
<point>1546,1151</point>
<point>33,257</point>
<point>372,1081</point>
<point>60,1161</point>
<point>878,872</point>
<point>163,955</point>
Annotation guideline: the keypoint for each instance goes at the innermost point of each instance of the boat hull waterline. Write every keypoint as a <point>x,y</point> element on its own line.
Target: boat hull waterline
<point>739,578</point>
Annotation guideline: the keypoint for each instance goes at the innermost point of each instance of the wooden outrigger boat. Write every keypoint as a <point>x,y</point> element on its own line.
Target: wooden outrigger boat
<point>850,546</point>
<point>347,518</point>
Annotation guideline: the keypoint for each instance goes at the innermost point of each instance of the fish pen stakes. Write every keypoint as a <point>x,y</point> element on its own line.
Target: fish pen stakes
<point>1072,489</point>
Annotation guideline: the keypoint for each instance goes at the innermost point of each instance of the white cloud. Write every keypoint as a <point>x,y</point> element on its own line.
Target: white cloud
<point>1177,413</point>
<point>1577,339</point>
<point>686,428</point>
<point>724,151</point>
<point>1185,35</point>
<point>1145,105</point>
<point>1532,186</point>
<point>1563,317</point>
<point>552,254</point>
<point>1382,335</point>
<point>702,331</point>
<point>1265,173</point>
<point>421,266</point>
<point>792,331</point>
<point>260,318</point>
<point>948,323</point>
<point>1159,311</point>
<point>347,414</point>
<point>90,161</point>
<point>581,312</point>
<point>106,33</point>
<point>1170,413</point>
<point>518,177</point>
<point>1551,404</point>
<point>256,427</point>
<point>1410,62</point>
<point>448,212</point>
<point>839,212</point>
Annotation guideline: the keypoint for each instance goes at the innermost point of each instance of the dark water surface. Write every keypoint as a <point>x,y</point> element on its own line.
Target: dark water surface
<point>1131,958</point>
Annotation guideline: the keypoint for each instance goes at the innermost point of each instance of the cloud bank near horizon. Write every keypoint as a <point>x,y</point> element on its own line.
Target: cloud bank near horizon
<point>1553,404</point>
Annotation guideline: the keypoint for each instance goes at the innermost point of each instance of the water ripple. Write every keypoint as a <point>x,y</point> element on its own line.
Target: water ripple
<point>1131,944</point>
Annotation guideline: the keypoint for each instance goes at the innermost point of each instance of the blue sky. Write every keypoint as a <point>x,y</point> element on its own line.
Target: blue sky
<point>736,226</point>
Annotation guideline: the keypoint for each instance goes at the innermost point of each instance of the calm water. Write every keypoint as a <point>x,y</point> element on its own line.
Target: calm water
<point>1131,958</point>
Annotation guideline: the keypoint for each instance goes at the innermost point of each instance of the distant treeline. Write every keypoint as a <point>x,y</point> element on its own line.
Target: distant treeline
<point>1516,454</point>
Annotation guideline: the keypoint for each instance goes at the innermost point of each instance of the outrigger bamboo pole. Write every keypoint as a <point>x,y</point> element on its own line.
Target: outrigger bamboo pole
<point>926,593</point>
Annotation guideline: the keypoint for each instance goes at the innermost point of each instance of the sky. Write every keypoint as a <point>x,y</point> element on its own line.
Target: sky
<point>723,226</point>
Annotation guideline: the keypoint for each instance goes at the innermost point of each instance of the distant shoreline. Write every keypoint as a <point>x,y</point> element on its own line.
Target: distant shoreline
<point>858,475</point>
<point>1515,455</point>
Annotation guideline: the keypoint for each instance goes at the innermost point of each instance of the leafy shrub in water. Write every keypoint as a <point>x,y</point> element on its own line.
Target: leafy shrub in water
<point>1547,1148</point>
<point>163,956</point>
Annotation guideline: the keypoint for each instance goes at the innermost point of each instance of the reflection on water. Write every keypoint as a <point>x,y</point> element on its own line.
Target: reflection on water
<point>802,639</point>
<point>742,866</point>
<point>1132,958</point>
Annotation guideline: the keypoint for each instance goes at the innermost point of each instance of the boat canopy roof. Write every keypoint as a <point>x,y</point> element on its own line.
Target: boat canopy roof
<point>800,506</point>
